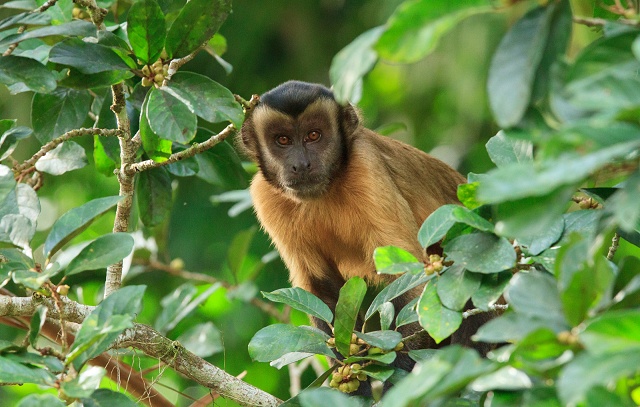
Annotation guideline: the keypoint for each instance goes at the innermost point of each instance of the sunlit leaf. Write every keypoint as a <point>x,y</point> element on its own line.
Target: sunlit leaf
<point>439,321</point>
<point>274,341</point>
<point>146,30</point>
<point>347,308</point>
<point>102,252</point>
<point>302,301</point>
<point>169,117</point>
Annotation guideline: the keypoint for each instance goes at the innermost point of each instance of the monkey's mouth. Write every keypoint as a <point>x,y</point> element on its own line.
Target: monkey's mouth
<point>306,187</point>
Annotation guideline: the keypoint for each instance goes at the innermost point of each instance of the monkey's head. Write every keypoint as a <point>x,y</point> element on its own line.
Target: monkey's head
<point>298,134</point>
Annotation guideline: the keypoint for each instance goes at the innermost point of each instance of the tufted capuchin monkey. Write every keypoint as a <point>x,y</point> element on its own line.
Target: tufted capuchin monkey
<point>330,191</point>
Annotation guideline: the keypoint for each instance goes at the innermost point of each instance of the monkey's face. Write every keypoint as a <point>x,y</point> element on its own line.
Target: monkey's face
<point>301,154</point>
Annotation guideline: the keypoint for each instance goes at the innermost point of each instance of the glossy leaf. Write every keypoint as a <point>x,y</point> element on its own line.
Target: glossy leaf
<point>146,30</point>
<point>14,372</point>
<point>535,294</point>
<point>197,22</point>
<point>347,308</point>
<point>504,150</point>
<point>208,99</point>
<point>301,300</point>
<point>456,285</point>
<point>274,341</point>
<point>385,340</point>
<point>10,137</point>
<point>68,156</point>
<point>27,18</point>
<point>394,260</point>
<point>416,27</point>
<point>398,287</point>
<point>34,280</point>
<point>102,252</point>
<point>77,80</point>
<point>105,323</point>
<point>88,57</point>
<point>169,117</point>
<point>75,221</point>
<point>407,314</point>
<point>153,196</point>
<point>436,226</point>
<point>79,28</point>
<point>156,148</point>
<point>481,252</point>
<point>439,321</point>
<point>351,64</point>
<point>65,109</point>
<point>106,397</point>
<point>22,74</point>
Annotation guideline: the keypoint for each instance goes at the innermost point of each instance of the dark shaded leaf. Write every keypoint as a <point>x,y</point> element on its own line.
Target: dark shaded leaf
<point>154,196</point>
<point>89,57</point>
<point>22,74</point>
<point>54,114</point>
<point>481,252</point>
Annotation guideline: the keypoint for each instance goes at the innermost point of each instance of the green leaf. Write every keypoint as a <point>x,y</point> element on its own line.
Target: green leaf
<point>535,294</point>
<point>385,340</point>
<point>302,301</point>
<point>436,226</point>
<point>456,285</point>
<point>26,18</point>
<point>347,308</point>
<point>387,313</point>
<point>37,322</point>
<point>538,350</point>
<point>18,214</point>
<point>169,117</point>
<point>9,139</point>
<point>398,287</point>
<point>506,378</point>
<point>588,370</point>
<point>407,314</point>
<point>535,244</point>
<point>68,156</point>
<point>88,57</point>
<point>416,27</point>
<point>394,260</point>
<point>187,167</point>
<point>624,204</point>
<point>7,182</point>
<point>154,196</point>
<point>146,30</point>
<point>481,252</point>
<point>439,321</point>
<point>522,180</point>
<point>208,99</point>
<point>104,324</point>
<point>491,289</point>
<point>40,400</point>
<point>20,5</point>
<point>325,396</point>
<point>156,148</point>
<point>274,341</point>
<point>54,114</point>
<point>616,331</point>
<point>382,358</point>
<point>85,383</point>
<point>35,280</point>
<point>514,65</point>
<point>22,74</point>
<point>504,150</point>
<point>511,327</point>
<point>14,372</point>
<point>74,28</point>
<point>351,64</point>
<point>221,165</point>
<point>77,80</point>
<point>73,222</point>
<point>106,397</point>
<point>172,304</point>
<point>102,252</point>
<point>197,22</point>
<point>202,340</point>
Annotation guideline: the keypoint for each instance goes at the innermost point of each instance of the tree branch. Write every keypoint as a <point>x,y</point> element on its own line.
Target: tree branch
<point>18,169</point>
<point>152,343</point>
<point>128,150</point>
<point>601,22</point>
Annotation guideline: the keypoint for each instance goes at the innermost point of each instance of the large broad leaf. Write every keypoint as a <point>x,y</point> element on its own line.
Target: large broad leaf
<point>504,150</point>
<point>439,321</point>
<point>105,323</point>
<point>386,340</point>
<point>588,370</point>
<point>303,301</point>
<point>102,252</point>
<point>156,148</point>
<point>351,64</point>
<point>169,117</point>
<point>513,67</point>
<point>153,196</point>
<point>13,372</point>
<point>197,22</point>
<point>75,221</point>
<point>89,57</point>
<point>68,156</point>
<point>416,27</point>
<point>394,260</point>
<point>208,99</point>
<point>456,285</point>
<point>59,112</point>
<point>436,226</point>
<point>77,80</point>
<point>146,30</point>
<point>27,18</point>
<point>347,308</point>
<point>274,341</point>
<point>22,74</point>
<point>74,28</point>
<point>325,396</point>
<point>481,252</point>
<point>520,180</point>
<point>536,295</point>
<point>617,331</point>
<point>106,397</point>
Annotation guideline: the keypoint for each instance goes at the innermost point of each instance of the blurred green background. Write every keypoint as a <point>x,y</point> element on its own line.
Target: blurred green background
<point>439,105</point>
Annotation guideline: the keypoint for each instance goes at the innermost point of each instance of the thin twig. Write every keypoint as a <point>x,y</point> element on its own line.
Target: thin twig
<point>21,29</point>
<point>615,243</point>
<point>19,169</point>
<point>96,12</point>
<point>601,22</point>
<point>175,64</point>
<point>475,311</point>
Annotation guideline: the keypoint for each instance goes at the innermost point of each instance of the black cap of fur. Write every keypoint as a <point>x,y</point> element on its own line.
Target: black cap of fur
<point>293,97</point>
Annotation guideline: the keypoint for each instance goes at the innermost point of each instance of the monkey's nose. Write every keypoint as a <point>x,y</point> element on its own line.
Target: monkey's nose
<point>301,167</point>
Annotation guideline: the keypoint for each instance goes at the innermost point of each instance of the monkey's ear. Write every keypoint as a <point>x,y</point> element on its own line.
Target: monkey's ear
<point>247,140</point>
<point>350,119</point>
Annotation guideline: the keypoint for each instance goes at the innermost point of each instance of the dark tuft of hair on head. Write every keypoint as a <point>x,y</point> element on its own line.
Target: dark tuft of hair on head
<point>293,97</point>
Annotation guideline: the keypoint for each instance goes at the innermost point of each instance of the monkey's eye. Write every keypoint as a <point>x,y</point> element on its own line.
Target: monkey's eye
<point>313,135</point>
<point>283,140</point>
